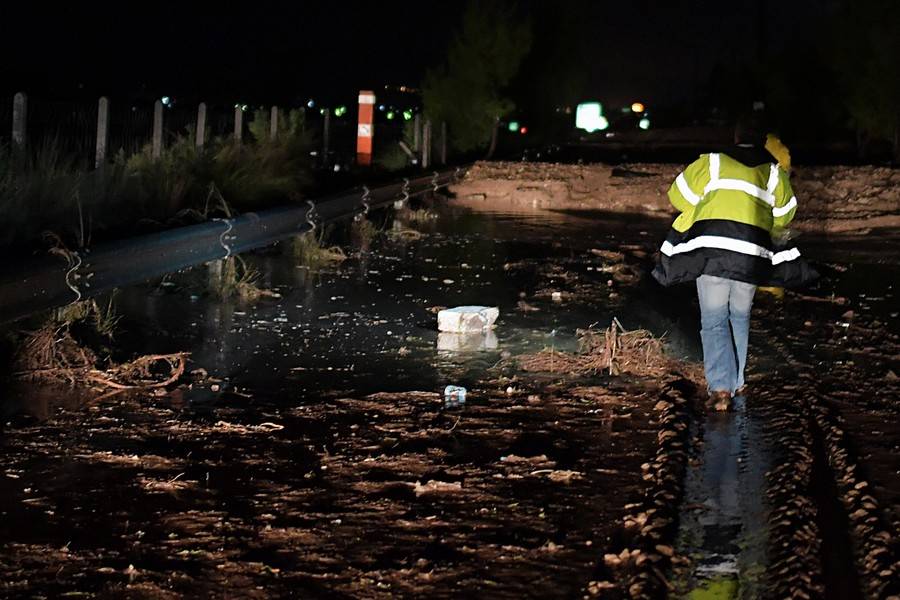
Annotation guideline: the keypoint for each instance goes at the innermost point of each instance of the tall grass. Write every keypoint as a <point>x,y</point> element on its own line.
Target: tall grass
<point>41,188</point>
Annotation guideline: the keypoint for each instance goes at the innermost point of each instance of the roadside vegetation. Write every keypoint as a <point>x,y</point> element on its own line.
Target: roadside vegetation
<point>44,189</point>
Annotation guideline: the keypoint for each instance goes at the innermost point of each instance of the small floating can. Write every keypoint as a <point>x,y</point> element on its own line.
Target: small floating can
<point>454,396</point>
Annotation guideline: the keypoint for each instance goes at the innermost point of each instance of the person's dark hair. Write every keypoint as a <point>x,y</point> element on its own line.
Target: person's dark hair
<point>750,129</point>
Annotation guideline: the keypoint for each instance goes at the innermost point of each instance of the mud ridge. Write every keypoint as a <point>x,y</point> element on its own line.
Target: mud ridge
<point>876,562</point>
<point>639,569</point>
<point>794,544</point>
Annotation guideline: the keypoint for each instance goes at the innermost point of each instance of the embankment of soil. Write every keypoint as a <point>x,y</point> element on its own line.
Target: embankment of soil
<point>833,200</point>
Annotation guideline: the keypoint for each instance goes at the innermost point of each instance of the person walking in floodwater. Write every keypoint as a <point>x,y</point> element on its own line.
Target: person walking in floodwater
<point>731,237</point>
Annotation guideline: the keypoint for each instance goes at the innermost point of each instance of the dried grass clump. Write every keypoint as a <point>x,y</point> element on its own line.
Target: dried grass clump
<point>52,354</point>
<point>421,215</point>
<point>614,351</point>
<point>404,234</point>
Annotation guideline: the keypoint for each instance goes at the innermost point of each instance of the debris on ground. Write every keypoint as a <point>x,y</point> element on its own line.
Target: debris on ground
<point>467,319</point>
<point>72,348</point>
<point>612,351</point>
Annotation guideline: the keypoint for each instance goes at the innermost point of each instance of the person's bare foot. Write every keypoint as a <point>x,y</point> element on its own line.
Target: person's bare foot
<point>720,400</point>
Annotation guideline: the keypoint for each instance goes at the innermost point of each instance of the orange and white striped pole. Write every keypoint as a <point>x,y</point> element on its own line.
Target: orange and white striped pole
<point>366,129</point>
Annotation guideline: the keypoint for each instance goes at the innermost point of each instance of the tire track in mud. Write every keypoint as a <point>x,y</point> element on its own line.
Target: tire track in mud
<point>829,536</point>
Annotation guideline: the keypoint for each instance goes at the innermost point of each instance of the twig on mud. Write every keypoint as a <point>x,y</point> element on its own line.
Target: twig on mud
<point>141,367</point>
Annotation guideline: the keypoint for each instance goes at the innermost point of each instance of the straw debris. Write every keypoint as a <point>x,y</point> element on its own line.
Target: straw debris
<point>614,351</point>
<point>72,348</point>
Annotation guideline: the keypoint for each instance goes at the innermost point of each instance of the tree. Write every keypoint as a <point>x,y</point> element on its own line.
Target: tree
<point>867,59</point>
<point>469,91</point>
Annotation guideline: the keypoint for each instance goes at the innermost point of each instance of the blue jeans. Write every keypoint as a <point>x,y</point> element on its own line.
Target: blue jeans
<point>725,319</point>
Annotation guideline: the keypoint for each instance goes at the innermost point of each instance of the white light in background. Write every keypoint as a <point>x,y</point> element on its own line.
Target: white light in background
<point>589,116</point>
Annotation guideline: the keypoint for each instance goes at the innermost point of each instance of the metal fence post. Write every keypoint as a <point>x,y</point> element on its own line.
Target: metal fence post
<point>157,128</point>
<point>426,144</point>
<point>273,126</point>
<point>201,125</point>
<point>326,135</point>
<point>443,142</point>
<point>238,125</point>
<point>102,131</point>
<point>20,114</point>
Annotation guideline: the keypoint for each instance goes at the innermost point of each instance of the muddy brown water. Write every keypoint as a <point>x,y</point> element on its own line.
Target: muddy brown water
<point>320,463</point>
<point>284,475</point>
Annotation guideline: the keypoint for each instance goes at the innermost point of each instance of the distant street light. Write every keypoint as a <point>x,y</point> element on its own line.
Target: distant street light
<point>589,116</point>
<point>637,107</point>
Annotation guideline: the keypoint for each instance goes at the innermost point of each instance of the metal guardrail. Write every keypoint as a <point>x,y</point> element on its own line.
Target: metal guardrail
<point>50,281</point>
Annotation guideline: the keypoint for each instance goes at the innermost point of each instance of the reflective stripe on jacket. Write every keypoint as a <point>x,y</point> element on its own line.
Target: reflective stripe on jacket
<point>729,212</point>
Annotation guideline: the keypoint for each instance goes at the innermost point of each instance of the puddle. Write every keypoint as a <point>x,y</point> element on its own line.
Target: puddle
<point>724,516</point>
<point>367,325</point>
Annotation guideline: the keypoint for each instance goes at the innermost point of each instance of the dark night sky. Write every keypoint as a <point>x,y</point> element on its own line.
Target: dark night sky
<point>281,52</point>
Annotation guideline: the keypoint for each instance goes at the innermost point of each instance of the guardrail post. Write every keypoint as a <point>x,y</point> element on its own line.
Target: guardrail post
<point>326,135</point>
<point>19,119</point>
<point>215,274</point>
<point>157,128</point>
<point>102,131</point>
<point>238,124</point>
<point>273,123</point>
<point>365,130</point>
<point>443,142</point>
<point>426,144</point>
<point>201,125</point>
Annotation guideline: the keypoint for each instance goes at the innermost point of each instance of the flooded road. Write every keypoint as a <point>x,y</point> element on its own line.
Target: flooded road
<point>313,456</point>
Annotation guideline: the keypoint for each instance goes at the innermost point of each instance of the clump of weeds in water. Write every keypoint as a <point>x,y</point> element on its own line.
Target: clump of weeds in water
<point>362,232</point>
<point>310,251</point>
<point>239,280</point>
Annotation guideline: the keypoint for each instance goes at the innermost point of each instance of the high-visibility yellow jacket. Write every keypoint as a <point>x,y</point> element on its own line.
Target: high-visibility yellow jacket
<point>716,186</point>
<point>729,212</point>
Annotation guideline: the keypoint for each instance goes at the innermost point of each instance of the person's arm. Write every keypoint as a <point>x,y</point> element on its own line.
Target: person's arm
<point>687,189</point>
<point>785,202</point>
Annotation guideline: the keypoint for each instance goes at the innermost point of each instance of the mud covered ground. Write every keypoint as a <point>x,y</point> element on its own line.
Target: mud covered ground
<point>377,496</point>
<point>831,199</point>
